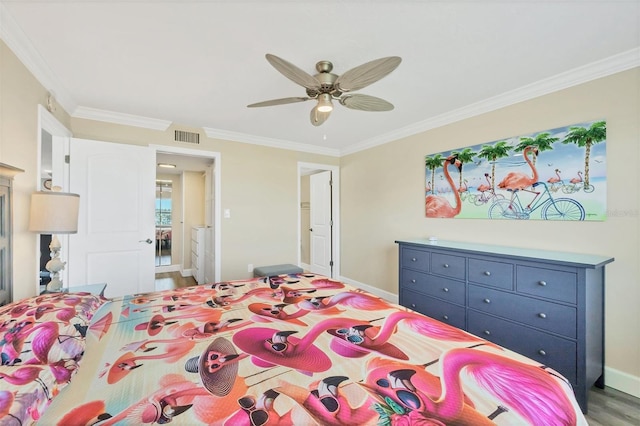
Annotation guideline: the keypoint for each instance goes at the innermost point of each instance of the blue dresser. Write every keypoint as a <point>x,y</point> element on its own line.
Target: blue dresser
<point>546,305</point>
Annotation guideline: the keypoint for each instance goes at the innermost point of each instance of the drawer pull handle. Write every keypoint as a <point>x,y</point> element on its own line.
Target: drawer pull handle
<point>542,283</point>
<point>446,290</point>
<point>542,315</point>
<point>487,332</point>
<point>446,265</point>
<point>445,317</point>
<point>487,300</point>
<point>487,273</point>
<point>542,352</point>
<point>413,281</point>
<point>413,259</point>
<point>413,305</point>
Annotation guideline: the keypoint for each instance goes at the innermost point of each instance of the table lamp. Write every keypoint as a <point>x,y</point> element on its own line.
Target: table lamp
<point>54,212</point>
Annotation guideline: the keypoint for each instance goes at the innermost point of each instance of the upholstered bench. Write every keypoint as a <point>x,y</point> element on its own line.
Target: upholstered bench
<point>271,270</point>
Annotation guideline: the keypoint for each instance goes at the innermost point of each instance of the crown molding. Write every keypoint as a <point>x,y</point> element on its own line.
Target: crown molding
<point>121,118</point>
<point>273,143</point>
<point>20,45</point>
<point>583,74</point>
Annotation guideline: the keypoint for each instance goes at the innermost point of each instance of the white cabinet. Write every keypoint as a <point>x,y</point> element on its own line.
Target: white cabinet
<point>197,253</point>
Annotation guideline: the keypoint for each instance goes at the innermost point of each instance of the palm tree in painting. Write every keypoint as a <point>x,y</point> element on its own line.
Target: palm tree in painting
<point>543,141</point>
<point>464,156</point>
<point>492,153</point>
<point>432,163</point>
<point>584,137</point>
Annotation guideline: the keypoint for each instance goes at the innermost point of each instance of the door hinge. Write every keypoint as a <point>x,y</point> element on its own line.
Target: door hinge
<point>67,159</point>
<point>331,263</point>
<point>331,222</point>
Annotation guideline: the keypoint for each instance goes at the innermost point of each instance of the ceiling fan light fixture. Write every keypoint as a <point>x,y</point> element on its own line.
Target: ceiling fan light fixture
<point>324,103</point>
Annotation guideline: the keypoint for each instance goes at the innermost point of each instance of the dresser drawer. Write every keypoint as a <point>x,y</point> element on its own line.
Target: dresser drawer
<point>435,308</point>
<point>415,259</point>
<point>446,289</point>
<point>448,265</point>
<point>495,274</point>
<point>538,313</point>
<point>547,283</point>
<point>552,351</point>
<point>194,247</point>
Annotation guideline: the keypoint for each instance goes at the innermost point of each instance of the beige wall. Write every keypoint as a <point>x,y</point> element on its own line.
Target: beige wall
<point>193,190</point>
<point>20,95</point>
<point>382,200</point>
<point>259,187</point>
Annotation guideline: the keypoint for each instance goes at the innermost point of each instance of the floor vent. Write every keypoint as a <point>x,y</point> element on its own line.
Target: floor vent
<point>189,137</point>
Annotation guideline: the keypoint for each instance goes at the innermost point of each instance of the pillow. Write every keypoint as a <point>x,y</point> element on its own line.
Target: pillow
<point>47,328</point>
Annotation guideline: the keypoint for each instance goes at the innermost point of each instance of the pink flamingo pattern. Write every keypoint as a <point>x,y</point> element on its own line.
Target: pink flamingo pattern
<point>518,181</point>
<point>438,206</point>
<point>285,350</point>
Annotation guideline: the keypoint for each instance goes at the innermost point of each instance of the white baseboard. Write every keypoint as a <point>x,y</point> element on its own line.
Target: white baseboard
<point>390,297</point>
<point>305,266</point>
<point>624,382</point>
<point>186,272</point>
<point>167,268</point>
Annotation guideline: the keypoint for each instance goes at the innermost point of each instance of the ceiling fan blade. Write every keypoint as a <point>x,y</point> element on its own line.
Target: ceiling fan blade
<point>318,117</point>
<point>365,103</point>
<point>293,73</point>
<point>365,74</point>
<point>280,101</point>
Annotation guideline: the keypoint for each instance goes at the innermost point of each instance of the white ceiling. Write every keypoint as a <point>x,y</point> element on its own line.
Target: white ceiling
<point>199,63</point>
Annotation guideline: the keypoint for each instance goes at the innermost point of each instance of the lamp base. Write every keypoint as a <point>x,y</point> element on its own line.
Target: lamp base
<point>54,266</point>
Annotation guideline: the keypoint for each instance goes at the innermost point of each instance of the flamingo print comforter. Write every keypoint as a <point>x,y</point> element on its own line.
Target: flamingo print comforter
<point>297,349</point>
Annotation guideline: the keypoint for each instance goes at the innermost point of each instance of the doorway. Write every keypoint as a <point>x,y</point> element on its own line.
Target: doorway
<point>194,180</point>
<point>319,249</point>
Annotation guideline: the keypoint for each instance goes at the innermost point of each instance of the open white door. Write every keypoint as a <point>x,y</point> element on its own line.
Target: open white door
<point>115,239</point>
<point>321,260</point>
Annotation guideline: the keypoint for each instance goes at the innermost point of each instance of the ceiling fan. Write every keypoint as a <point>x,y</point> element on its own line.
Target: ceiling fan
<point>326,86</point>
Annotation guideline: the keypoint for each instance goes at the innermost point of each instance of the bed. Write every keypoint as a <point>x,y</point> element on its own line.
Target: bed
<point>290,349</point>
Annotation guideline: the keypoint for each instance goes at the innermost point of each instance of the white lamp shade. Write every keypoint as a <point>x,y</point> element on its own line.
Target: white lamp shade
<point>54,212</point>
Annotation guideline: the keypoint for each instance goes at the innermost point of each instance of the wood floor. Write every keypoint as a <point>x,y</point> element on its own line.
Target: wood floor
<point>607,407</point>
<point>171,280</point>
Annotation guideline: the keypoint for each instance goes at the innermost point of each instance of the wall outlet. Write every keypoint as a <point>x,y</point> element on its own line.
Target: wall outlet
<point>250,267</point>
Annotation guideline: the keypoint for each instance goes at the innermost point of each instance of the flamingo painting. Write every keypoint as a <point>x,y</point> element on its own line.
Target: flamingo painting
<point>438,206</point>
<point>518,181</point>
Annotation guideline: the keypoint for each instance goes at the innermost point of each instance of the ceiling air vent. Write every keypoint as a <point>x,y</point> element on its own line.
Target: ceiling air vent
<point>189,137</point>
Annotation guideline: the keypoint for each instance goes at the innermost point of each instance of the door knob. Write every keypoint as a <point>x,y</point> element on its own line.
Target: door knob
<point>148,241</point>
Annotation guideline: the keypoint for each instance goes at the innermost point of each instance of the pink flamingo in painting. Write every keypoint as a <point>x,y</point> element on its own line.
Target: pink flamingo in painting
<point>463,187</point>
<point>525,389</point>
<point>327,405</point>
<point>556,178</point>
<point>516,181</point>
<point>482,187</point>
<point>438,206</point>
<point>577,179</point>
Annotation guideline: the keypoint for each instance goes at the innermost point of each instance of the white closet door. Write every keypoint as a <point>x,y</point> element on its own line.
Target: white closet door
<point>321,223</point>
